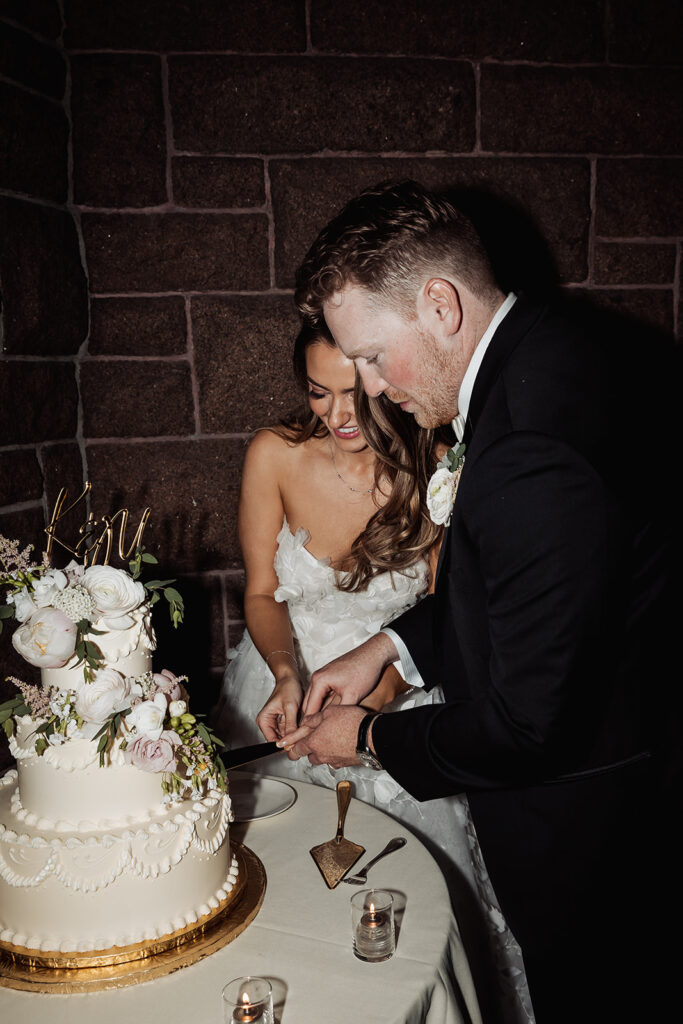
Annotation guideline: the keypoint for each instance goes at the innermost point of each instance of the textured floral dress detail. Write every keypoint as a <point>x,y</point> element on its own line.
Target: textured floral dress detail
<point>327,622</point>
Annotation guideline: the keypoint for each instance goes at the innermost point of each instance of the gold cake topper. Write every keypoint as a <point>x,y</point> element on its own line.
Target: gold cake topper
<point>95,534</point>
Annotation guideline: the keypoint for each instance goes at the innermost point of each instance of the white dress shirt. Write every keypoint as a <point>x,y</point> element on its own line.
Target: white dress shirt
<point>405,664</point>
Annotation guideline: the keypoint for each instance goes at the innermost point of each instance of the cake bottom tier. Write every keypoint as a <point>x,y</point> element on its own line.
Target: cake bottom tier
<point>44,956</point>
<point>39,971</point>
<point>72,893</point>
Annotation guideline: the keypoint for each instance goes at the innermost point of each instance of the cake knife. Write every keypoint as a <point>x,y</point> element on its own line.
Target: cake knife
<point>243,755</point>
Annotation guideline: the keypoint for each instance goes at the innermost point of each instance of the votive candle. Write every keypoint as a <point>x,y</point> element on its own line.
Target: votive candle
<point>373,925</point>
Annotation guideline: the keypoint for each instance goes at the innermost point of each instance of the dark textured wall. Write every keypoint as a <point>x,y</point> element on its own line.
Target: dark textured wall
<point>165,164</point>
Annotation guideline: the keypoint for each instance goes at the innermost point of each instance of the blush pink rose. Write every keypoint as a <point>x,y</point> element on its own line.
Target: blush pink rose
<point>153,755</point>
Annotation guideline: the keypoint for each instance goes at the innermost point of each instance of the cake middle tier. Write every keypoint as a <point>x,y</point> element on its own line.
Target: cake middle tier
<point>66,788</point>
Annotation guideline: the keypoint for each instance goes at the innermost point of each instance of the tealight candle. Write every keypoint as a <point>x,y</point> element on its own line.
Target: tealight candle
<point>373,925</point>
<point>247,1013</point>
<point>248,1001</point>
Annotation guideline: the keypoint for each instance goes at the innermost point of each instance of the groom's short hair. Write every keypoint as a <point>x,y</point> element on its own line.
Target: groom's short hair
<point>389,240</point>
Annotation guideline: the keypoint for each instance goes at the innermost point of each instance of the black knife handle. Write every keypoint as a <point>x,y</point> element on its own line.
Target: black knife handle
<point>243,755</point>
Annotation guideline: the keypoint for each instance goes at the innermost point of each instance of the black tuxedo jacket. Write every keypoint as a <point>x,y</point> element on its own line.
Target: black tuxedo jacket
<point>548,626</point>
<point>551,633</point>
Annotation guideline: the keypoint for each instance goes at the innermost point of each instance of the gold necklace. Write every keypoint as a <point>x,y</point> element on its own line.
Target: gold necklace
<point>355,490</point>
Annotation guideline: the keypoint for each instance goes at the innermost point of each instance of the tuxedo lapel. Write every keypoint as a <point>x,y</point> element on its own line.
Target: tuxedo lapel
<point>514,327</point>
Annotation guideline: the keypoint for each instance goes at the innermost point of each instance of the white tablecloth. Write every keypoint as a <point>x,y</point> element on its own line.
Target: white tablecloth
<point>301,940</point>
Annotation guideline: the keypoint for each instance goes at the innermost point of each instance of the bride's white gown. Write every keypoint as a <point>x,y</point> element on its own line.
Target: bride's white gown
<point>327,622</point>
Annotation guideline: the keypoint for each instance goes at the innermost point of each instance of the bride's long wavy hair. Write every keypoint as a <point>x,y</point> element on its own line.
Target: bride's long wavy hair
<point>401,532</point>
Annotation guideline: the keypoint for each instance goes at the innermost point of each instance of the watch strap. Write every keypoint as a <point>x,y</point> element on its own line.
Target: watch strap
<point>362,745</point>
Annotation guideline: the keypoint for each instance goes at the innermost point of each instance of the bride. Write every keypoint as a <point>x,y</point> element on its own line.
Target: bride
<point>336,543</point>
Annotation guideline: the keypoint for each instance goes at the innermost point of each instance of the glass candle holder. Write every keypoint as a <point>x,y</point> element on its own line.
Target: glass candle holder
<point>372,918</point>
<point>248,1001</point>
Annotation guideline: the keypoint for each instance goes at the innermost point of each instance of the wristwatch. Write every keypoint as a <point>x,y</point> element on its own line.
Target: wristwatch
<point>363,751</point>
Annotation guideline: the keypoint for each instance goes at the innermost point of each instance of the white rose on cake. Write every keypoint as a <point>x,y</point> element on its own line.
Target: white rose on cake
<point>47,639</point>
<point>24,605</point>
<point>147,717</point>
<point>108,693</point>
<point>115,594</point>
<point>47,587</point>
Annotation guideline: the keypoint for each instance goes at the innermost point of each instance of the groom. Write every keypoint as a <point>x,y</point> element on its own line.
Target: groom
<point>548,626</point>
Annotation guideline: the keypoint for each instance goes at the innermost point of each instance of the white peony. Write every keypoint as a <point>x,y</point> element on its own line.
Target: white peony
<point>47,587</point>
<point>108,693</point>
<point>115,594</point>
<point>147,718</point>
<point>47,639</point>
<point>441,495</point>
<point>23,605</point>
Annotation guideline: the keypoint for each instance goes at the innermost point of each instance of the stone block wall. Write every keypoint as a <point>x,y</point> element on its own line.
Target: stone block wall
<point>164,167</point>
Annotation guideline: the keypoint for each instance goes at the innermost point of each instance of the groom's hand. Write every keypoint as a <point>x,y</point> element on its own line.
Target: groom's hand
<point>328,737</point>
<point>351,677</point>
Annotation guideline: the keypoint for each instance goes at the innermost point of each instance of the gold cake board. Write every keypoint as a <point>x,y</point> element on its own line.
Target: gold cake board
<point>35,971</point>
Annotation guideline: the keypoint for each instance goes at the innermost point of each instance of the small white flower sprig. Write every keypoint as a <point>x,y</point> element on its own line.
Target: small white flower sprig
<point>443,485</point>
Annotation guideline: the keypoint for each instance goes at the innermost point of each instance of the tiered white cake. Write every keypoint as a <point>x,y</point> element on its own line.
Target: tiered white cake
<point>94,857</point>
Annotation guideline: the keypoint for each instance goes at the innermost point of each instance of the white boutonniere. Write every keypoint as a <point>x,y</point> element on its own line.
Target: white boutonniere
<point>443,485</point>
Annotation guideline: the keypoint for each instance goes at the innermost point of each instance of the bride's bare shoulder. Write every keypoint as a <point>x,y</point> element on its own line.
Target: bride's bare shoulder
<point>266,443</point>
<point>268,447</point>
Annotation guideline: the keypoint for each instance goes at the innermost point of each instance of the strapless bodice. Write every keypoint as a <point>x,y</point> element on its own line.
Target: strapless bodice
<point>326,621</point>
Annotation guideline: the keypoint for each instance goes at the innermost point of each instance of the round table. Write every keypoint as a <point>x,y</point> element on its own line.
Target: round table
<point>301,939</point>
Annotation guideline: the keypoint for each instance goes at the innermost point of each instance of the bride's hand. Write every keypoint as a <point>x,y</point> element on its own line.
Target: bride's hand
<point>280,714</point>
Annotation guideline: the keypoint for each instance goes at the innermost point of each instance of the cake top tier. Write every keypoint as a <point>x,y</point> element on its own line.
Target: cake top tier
<point>89,631</point>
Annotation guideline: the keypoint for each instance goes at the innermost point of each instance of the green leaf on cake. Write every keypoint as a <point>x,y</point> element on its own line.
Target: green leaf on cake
<point>176,605</point>
<point>158,584</point>
<point>16,707</point>
<point>102,747</point>
<point>204,734</point>
<point>93,651</point>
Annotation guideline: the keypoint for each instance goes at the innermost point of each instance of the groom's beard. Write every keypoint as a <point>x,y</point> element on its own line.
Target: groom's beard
<point>435,396</point>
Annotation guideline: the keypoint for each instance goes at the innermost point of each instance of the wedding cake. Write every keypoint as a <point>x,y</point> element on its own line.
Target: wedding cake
<point>114,827</point>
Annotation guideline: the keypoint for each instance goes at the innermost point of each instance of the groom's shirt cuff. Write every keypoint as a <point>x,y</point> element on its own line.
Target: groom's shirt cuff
<point>405,665</point>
